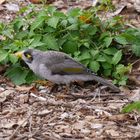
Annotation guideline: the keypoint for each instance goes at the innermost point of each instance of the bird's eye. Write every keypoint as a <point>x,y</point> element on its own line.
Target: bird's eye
<point>28,56</point>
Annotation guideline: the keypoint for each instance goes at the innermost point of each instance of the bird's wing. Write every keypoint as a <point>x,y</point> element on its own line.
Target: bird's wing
<point>63,64</point>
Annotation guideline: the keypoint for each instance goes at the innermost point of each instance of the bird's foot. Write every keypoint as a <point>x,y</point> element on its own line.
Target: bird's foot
<point>43,82</point>
<point>47,84</point>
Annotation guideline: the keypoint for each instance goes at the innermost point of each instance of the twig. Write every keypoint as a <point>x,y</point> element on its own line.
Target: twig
<point>135,62</point>
<point>70,105</point>
<point>76,96</point>
<point>108,102</point>
<point>39,98</point>
<point>130,25</point>
<point>30,123</point>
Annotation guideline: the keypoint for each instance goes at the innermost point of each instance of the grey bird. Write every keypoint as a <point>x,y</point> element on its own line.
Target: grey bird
<point>60,68</point>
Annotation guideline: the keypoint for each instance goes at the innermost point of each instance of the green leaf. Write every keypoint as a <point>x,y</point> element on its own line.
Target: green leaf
<point>86,44</point>
<point>84,55</point>
<point>117,57</point>
<point>72,20</point>
<point>31,77</point>
<point>8,33</point>
<point>84,26</point>
<point>51,42</point>
<point>3,55</point>
<point>70,47</point>
<point>37,44</point>
<point>77,53</point>
<point>107,72</point>
<point>94,53</point>
<point>13,58</point>
<point>74,12</point>
<point>60,15</point>
<point>36,41</point>
<point>53,21</point>
<point>106,65</point>
<point>108,41</point>
<point>22,35</point>
<point>136,50</point>
<point>91,30</point>
<point>122,81</point>
<point>85,62</point>
<point>17,74</point>
<point>131,107</point>
<point>104,35</point>
<point>110,51</point>
<point>49,29</point>
<point>18,23</point>
<point>100,58</point>
<point>61,41</point>
<point>108,58</point>
<point>120,39</point>
<point>131,37</point>
<point>94,65</point>
<point>37,23</point>
<point>72,27</point>
<point>121,69</point>
<point>51,9</point>
<point>64,23</point>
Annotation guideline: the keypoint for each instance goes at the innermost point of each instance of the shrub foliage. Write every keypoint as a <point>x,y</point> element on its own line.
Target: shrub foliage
<point>100,45</point>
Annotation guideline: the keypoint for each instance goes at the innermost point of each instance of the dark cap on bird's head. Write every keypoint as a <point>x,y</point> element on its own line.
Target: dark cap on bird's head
<point>26,55</point>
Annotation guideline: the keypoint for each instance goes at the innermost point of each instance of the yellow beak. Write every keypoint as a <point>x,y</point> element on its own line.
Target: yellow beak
<point>19,54</point>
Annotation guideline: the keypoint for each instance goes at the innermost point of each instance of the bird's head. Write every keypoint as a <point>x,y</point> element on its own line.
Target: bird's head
<point>27,55</point>
<point>30,56</point>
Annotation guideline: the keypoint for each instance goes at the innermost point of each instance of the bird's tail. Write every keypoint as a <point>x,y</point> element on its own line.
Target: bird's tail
<point>105,82</point>
<point>93,77</point>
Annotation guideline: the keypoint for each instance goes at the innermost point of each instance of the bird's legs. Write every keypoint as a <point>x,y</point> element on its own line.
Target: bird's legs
<point>54,88</point>
<point>73,87</point>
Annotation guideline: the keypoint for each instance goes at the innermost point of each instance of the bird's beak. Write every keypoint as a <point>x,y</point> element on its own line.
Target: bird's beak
<point>19,54</point>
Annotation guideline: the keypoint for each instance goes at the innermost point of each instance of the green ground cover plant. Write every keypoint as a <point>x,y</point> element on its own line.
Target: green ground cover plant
<point>100,45</point>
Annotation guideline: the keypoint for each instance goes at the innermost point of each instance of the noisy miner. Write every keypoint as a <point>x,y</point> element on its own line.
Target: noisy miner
<point>59,68</point>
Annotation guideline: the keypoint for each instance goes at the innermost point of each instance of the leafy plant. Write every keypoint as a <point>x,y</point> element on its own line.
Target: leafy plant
<point>97,44</point>
<point>131,107</point>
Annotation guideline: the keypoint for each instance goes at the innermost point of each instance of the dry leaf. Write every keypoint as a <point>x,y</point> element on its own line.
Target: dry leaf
<point>119,117</point>
<point>44,112</point>
<point>9,124</point>
<point>79,125</point>
<point>4,94</point>
<point>136,95</point>
<point>24,98</point>
<point>12,7</point>
<point>23,88</point>
<point>2,1</point>
<point>64,115</point>
<point>112,133</point>
<point>85,131</point>
<point>61,128</point>
<point>137,5</point>
<point>96,126</point>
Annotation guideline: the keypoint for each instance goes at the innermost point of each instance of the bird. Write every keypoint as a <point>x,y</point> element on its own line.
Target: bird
<point>60,68</point>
